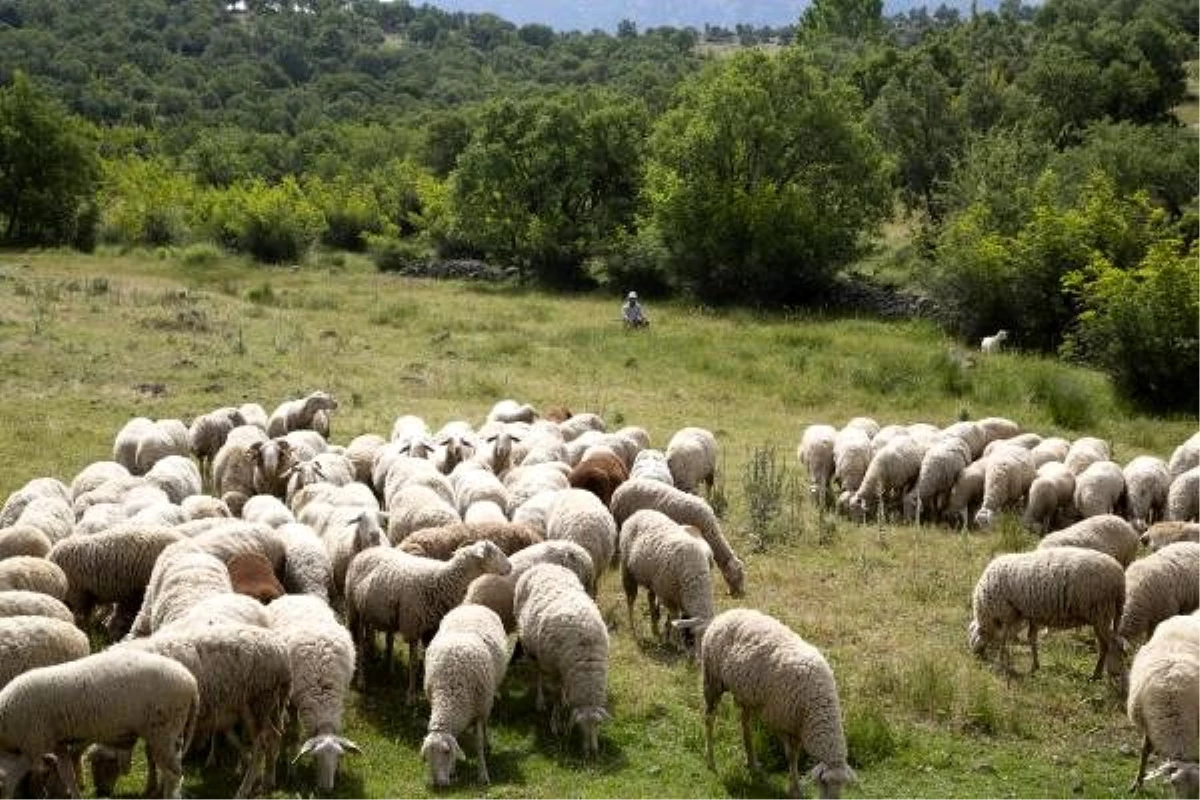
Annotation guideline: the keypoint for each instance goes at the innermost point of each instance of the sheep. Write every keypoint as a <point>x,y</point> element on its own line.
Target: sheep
<point>1183,496</point>
<point>38,488</point>
<point>673,566</point>
<point>652,464</point>
<point>893,470</point>
<point>182,576</point>
<point>484,511</point>
<point>851,457</point>
<point>415,507</point>
<point>1161,534</point>
<point>207,433</point>
<point>972,433</point>
<point>254,415</point>
<point>29,642</point>
<point>268,510</point>
<point>362,452</point>
<point>815,452</point>
<point>1159,586</point>
<point>1147,482</point>
<point>1186,456</point>
<point>1024,441</point>
<point>511,411</point>
<point>165,437</point>
<point>90,700</point>
<point>992,344</point>
<point>1164,694</point>
<point>578,424</point>
<point>321,654</point>
<point>176,475</point>
<point>1057,587</point>
<point>21,603</point>
<point>125,444</point>
<point>941,465</point>
<point>299,414</point>
<point>235,464</point>
<point>274,463</point>
<point>600,472</point>
<point>685,509</point>
<point>473,482</point>
<point>350,531</point>
<point>1008,474</point>
<point>1099,489</point>
<point>203,506</point>
<point>23,540</point>
<point>997,428</point>
<point>692,457</point>
<point>464,665</point>
<point>1053,448</point>
<point>307,566</point>
<point>496,591</point>
<point>526,481</point>
<point>1084,451</point>
<point>1051,497</point>
<point>777,676</point>
<point>1106,533</point>
<point>409,594</point>
<point>578,516</point>
<point>327,467</point>
<point>251,574</point>
<point>440,543</point>
<point>34,575</point>
<point>93,475</point>
<point>560,627</point>
<point>50,516</point>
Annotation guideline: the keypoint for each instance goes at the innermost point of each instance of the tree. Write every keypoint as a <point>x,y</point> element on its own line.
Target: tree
<point>48,169</point>
<point>762,181</point>
<point>850,19</point>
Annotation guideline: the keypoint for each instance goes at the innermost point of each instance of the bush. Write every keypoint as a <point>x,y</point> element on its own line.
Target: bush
<point>397,255</point>
<point>764,482</point>
<point>201,254</point>
<point>1067,399</point>
<point>273,223</point>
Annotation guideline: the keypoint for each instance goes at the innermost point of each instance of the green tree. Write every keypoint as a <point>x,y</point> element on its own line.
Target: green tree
<point>762,181</point>
<point>48,169</point>
<point>850,19</point>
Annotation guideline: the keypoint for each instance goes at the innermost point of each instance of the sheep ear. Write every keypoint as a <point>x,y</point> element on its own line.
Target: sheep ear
<point>459,755</point>
<point>305,749</point>
<point>349,746</point>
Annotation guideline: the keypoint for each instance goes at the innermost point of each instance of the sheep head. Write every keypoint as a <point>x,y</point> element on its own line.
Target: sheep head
<point>440,751</point>
<point>327,750</point>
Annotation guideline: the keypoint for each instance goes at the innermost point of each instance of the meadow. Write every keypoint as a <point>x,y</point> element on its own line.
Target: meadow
<point>88,341</point>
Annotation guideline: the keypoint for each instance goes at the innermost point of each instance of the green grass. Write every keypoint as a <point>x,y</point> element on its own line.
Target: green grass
<point>887,605</point>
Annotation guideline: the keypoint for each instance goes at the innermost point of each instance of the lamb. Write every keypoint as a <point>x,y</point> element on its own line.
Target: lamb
<point>464,665</point>
<point>1099,489</point>
<point>34,575</point>
<point>815,452</point>
<point>496,591</point>
<point>1084,451</point>
<point>29,642</point>
<point>851,457</point>
<point>1007,477</point>
<point>1051,497</point>
<point>1183,497</point>
<point>560,627</point>
<point>302,414</point>
<point>207,433</point>
<point>20,603</point>
<point>941,465</point>
<point>686,509</point>
<point>777,676</point>
<point>1147,482</point>
<point>1186,456</point>
<point>251,574</point>
<point>892,471</point>
<point>441,543</point>
<point>417,506</point>
<point>322,658</point>
<point>578,516</point>
<point>1159,586</point>
<point>1161,534</point>
<point>410,594</point>
<point>327,467</point>
<point>692,457</point>
<point>1164,694</point>
<point>673,566</point>
<point>599,472</point>
<point>89,700</point>
<point>176,475</point>
<point>1057,587</point>
<point>992,344</point>
<point>1106,533</point>
<point>651,464</point>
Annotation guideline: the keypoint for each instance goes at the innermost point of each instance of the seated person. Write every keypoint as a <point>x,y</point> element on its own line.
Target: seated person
<point>632,312</point>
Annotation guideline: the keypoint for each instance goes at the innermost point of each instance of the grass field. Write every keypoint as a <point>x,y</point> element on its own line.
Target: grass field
<point>87,342</point>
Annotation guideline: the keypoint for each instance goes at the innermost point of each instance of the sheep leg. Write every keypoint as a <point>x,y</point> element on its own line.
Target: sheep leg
<point>792,751</point>
<point>629,584</point>
<point>481,748</point>
<point>539,701</point>
<point>389,640</point>
<point>1033,647</point>
<point>1102,644</point>
<point>64,764</point>
<point>413,666</point>
<point>1141,773</point>
<point>654,612</point>
<point>165,759</point>
<point>748,741</point>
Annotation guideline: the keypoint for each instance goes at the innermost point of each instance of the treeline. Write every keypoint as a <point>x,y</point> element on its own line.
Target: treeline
<point>1034,152</point>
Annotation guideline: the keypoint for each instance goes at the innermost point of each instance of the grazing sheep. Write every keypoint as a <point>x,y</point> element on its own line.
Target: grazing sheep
<point>464,665</point>
<point>1053,448</point>
<point>526,481</point>
<point>92,699</point>
<point>560,627</point>
<point>485,512</point>
<point>207,433</point>
<point>599,472</point>
<point>440,543</point>
<point>972,433</point>
<point>1186,456</point>
<point>300,414</point>
<point>508,410</point>
<point>37,489</point>
<point>203,506</point>
<point>362,452</point>
<point>651,464</point>
<point>1147,482</point>
<point>29,642</point>
<point>1024,441</point>
<point>33,575</point>
<point>1099,489</point>
<point>1085,451</point>
<point>267,509</point>
<point>125,444</point>
<point>815,452</point>
<point>472,482</point>
<point>23,540</point>
<point>1008,474</point>
<point>997,428</point>
<point>893,470</point>
<point>20,603</point>
<point>307,566</point>
<point>579,424</point>
<point>578,516</point>
<point>783,680</point>
<point>409,595</point>
<point>321,653</point>
<point>941,465</point>
<point>1183,498</point>
<point>1161,534</point>
<point>686,509</point>
<point>235,465</point>
<point>1164,695</point>
<point>992,344</point>
<point>673,566</point>
<point>50,516</point>
<point>1159,586</point>
<point>1051,497</point>
<point>496,591</point>
<point>415,507</point>
<point>251,574</point>
<point>165,437</point>
<point>1057,587</point>
<point>851,457</point>
<point>692,457</point>
<point>182,576</point>
<point>1106,533</point>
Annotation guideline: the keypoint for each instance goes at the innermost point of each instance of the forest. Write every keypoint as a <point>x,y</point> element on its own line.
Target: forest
<point>1032,169</point>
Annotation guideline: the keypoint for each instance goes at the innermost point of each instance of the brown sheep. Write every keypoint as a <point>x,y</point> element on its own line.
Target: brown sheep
<point>440,543</point>
<point>252,575</point>
<point>600,472</point>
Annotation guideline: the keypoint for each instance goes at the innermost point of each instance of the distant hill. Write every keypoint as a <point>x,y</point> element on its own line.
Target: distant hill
<point>586,15</point>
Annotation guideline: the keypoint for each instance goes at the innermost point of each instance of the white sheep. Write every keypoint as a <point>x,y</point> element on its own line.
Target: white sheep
<point>464,665</point>
<point>203,506</point>
<point>235,465</point>
<point>182,576</point>
<point>524,482</point>
<point>1057,587</point>
<point>1147,481</point>
<point>941,465</point>
<point>560,627</point>
<point>1164,695</point>
<point>992,344</point>
<point>21,603</point>
<point>783,680</point>
<point>1105,533</point>
<point>267,509</point>
<point>125,444</point>
<point>692,458</point>
<point>322,662</point>
<point>997,428</point>
<point>815,452</point>
<point>1161,534</point>
<point>893,470</point>
<point>1084,451</point>
<point>165,437</point>
<point>29,642</point>
<point>417,506</point>
<point>38,488</point>
<point>472,482</point>
<point>441,543</point>
<point>303,413</point>
<point>851,457</point>
<point>579,516</point>
<point>496,591</point>
<point>51,516</point>
<point>1051,497</point>
<point>348,532</point>
<point>1160,586</point>
<point>509,410</point>
<point>1008,474</point>
<point>1025,441</point>
<point>34,575</point>
<point>1186,456</point>
<point>1183,497</point>
<point>1052,448</point>
<point>578,424</point>
<point>970,432</point>
<point>1099,489</point>
<point>362,452</point>
<point>652,464</point>
<point>307,566</point>
<point>23,540</point>
<point>659,554</point>
<point>207,433</point>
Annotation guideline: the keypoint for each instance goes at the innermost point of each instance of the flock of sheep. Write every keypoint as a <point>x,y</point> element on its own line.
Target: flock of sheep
<point>240,571</point>
<point>1093,514</point>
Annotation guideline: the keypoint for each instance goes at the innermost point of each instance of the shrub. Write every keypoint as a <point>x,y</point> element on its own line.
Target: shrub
<point>764,481</point>
<point>201,254</point>
<point>273,223</point>
<point>1067,399</point>
<point>396,255</point>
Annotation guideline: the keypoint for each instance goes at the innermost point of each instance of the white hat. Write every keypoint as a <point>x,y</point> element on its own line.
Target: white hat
<point>632,296</point>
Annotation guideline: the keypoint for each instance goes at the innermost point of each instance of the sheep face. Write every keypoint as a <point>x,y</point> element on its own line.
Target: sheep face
<point>976,639</point>
<point>830,780</point>
<point>734,572</point>
<point>490,558</point>
<point>327,750</point>
<point>441,751</point>
<point>588,720</point>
